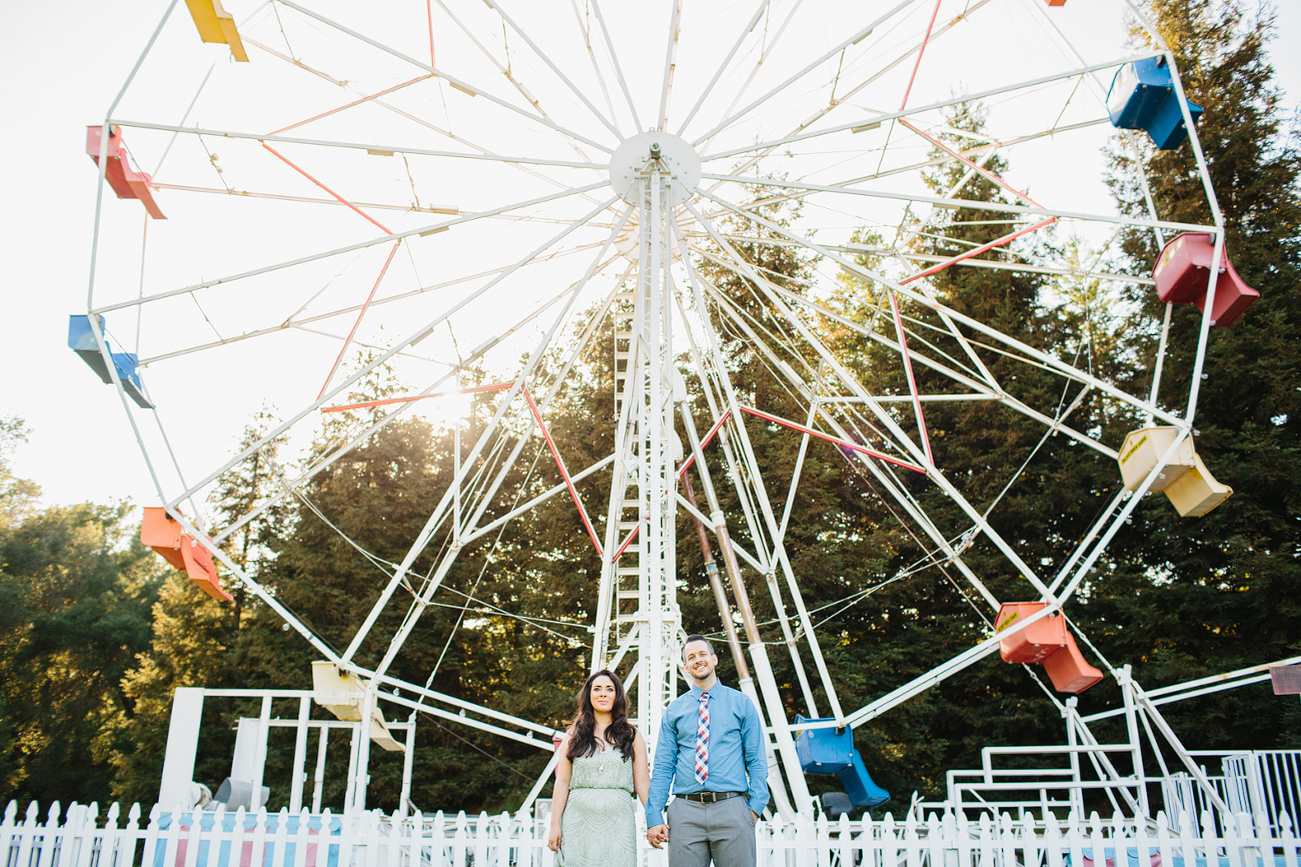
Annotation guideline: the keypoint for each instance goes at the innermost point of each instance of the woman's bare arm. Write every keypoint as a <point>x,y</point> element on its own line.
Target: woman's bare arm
<point>640,768</point>
<point>564,773</point>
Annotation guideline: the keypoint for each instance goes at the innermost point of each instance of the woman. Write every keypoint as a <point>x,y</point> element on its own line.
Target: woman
<point>602,763</point>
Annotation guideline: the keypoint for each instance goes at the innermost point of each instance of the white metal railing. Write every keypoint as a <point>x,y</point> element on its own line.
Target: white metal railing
<point>1262,782</point>
<point>1180,793</point>
<point>1058,789</point>
<point>78,838</point>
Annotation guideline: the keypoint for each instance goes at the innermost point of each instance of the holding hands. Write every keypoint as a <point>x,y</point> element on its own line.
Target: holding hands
<point>657,836</point>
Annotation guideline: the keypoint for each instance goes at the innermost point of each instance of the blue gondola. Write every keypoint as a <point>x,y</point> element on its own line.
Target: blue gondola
<point>81,339</point>
<point>831,751</point>
<point>1142,97</point>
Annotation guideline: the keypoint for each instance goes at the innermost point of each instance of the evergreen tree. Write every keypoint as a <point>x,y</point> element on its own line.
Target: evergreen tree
<point>196,639</point>
<point>1207,595</point>
<point>76,587</point>
<point>920,613</point>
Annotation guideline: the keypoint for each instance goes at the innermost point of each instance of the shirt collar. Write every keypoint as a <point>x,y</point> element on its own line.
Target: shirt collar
<point>713,690</point>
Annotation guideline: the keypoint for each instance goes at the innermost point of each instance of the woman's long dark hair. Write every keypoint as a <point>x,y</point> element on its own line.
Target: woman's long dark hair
<point>619,733</point>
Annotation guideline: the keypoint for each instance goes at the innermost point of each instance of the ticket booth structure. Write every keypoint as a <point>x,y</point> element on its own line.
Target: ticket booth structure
<point>1182,276</point>
<point>1184,479</point>
<point>246,785</point>
<point>1046,641</point>
<point>1142,96</point>
<point>81,340</point>
<point>184,552</point>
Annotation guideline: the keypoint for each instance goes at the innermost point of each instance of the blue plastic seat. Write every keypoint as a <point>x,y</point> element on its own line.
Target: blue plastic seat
<point>831,751</point>
<point>81,339</point>
<point>1142,97</point>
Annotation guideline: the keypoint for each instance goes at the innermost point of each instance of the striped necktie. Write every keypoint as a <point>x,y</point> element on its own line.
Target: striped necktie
<point>702,740</point>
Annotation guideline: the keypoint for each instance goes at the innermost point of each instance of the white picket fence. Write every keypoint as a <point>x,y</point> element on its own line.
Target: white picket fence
<point>78,838</point>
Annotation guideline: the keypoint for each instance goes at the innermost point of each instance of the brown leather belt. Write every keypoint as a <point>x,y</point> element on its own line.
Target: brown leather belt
<point>710,797</point>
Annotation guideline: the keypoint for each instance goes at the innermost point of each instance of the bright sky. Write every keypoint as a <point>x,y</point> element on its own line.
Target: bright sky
<point>64,60</point>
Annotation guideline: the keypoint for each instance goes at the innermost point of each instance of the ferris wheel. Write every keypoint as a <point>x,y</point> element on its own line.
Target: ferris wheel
<point>449,187</point>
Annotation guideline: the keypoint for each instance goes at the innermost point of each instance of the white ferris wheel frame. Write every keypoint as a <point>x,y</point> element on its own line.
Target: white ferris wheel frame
<point>671,223</point>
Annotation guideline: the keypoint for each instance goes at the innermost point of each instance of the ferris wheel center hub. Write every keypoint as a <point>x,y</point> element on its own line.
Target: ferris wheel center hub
<point>651,152</point>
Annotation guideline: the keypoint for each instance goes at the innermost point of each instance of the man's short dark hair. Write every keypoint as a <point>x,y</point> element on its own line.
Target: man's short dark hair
<point>691,638</point>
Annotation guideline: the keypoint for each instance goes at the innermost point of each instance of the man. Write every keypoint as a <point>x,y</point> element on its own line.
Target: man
<point>710,754</point>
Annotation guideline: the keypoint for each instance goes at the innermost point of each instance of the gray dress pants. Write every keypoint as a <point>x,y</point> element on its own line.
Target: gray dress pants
<point>722,831</point>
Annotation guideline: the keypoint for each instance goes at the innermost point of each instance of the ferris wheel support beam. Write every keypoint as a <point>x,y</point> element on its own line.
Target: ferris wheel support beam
<point>643,456</point>
<point>618,69</point>
<point>422,600</point>
<point>777,558</point>
<point>878,119</point>
<point>722,67</point>
<point>606,598</point>
<point>767,569</point>
<point>856,37</point>
<point>837,101</point>
<point>544,402</point>
<point>372,242</point>
<point>291,485</point>
<point>744,681</point>
<point>670,52</point>
<point>1049,361</point>
<point>758,651</point>
<point>406,114</point>
<point>994,394</point>
<point>764,562</point>
<point>426,533</point>
<point>941,672</point>
<point>694,511</point>
<point>505,70</point>
<point>896,490</point>
<point>459,84</point>
<point>984,390</point>
<point>586,32</point>
<point>945,202</point>
<point>275,138</point>
<point>306,321</point>
<point>851,382</point>
<point>768,48</point>
<point>1184,432</point>
<point>338,453</point>
<point>1018,267</point>
<point>1055,602</point>
<point>1203,336</point>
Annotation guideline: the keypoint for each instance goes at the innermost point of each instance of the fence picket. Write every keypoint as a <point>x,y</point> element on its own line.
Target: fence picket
<point>80,840</point>
<point>1052,841</point>
<point>111,838</point>
<point>345,839</point>
<point>1288,839</point>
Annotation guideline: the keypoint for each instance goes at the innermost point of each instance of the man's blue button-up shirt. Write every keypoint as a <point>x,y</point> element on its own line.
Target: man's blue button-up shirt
<point>737,762</point>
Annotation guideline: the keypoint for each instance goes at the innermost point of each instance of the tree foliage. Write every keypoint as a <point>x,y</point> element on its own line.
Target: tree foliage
<point>76,588</point>
<point>1219,592</point>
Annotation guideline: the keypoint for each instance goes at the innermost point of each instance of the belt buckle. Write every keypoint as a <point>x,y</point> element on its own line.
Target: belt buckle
<point>709,797</point>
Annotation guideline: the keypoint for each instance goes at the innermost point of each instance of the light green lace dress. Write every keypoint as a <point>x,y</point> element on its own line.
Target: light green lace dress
<point>598,827</point>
